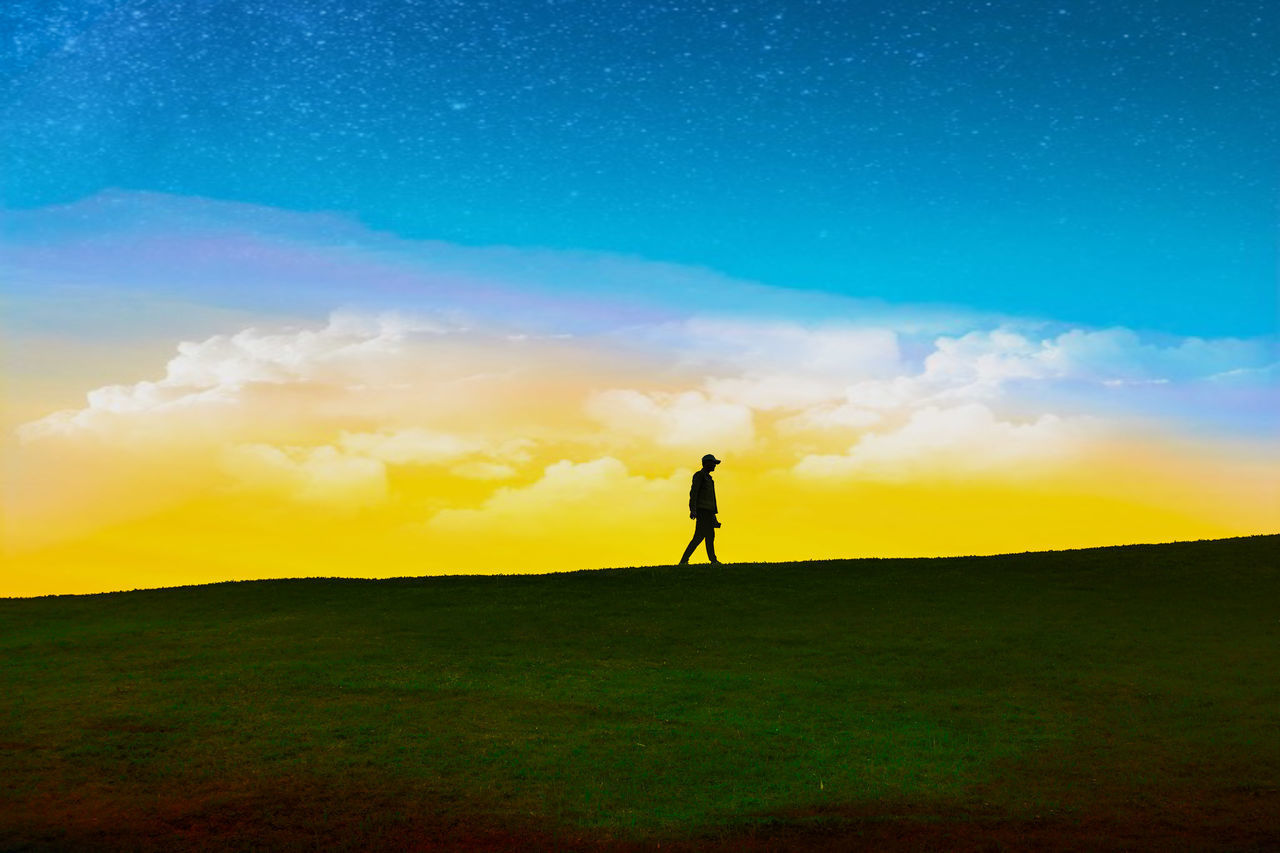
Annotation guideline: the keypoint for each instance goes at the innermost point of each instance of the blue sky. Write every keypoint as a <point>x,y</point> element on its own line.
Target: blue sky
<point>1097,163</point>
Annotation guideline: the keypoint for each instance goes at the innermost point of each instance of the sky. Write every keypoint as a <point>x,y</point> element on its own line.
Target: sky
<point>374,288</point>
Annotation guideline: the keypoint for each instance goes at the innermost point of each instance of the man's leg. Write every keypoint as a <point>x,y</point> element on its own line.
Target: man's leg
<point>693,543</point>
<point>711,544</point>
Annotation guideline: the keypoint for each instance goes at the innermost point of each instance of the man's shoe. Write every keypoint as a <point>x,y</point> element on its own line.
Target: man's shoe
<point>715,562</point>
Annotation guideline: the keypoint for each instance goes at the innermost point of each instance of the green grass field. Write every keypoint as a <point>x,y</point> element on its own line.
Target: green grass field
<point>1116,698</point>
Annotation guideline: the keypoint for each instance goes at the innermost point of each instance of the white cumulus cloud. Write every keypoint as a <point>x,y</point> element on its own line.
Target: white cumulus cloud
<point>951,441</point>
<point>681,419</point>
<point>223,372</point>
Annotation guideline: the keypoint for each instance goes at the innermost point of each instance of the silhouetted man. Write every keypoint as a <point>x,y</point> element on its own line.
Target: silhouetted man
<point>702,508</point>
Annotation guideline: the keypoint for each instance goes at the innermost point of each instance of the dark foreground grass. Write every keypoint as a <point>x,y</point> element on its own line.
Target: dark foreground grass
<point>1118,698</point>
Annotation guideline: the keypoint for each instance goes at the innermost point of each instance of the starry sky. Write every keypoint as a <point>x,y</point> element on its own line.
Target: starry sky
<point>1096,162</point>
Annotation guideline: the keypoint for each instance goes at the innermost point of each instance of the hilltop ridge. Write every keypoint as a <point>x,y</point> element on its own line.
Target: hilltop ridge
<point>1054,700</point>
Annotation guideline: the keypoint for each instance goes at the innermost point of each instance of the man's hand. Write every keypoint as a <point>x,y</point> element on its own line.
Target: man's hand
<point>693,515</point>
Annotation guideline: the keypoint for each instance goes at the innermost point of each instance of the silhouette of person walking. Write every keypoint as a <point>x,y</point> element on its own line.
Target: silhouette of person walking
<point>702,508</point>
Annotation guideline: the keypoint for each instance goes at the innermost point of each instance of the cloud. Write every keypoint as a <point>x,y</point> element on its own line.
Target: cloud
<point>778,391</point>
<point>414,445</point>
<point>1121,354</point>
<point>957,441</point>
<point>419,446</point>
<point>712,343</point>
<point>262,260</point>
<point>687,419</point>
<point>828,416</point>
<point>344,349</point>
<point>839,351</point>
<point>222,374</point>
<point>484,471</point>
<point>584,496</point>
<point>1265,376</point>
<point>983,365</point>
<point>316,475</point>
<point>988,358</point>
<point>354,470</point>
<point>377,381</point>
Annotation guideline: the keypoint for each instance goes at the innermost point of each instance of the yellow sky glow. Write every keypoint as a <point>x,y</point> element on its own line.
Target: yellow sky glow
<point>377,448</point>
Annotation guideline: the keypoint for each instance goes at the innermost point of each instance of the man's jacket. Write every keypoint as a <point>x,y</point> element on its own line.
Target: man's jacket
<point>702,494</point>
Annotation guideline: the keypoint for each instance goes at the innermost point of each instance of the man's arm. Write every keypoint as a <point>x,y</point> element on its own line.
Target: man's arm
<point>694,490</point>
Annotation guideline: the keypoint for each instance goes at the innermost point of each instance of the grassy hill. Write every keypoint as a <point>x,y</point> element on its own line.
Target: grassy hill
<point>1107,698</point>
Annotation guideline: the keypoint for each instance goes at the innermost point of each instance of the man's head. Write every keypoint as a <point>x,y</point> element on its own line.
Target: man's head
<point>709,462</point>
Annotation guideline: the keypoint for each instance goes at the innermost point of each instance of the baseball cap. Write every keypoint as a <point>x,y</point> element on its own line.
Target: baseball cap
<point>710,458</point>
